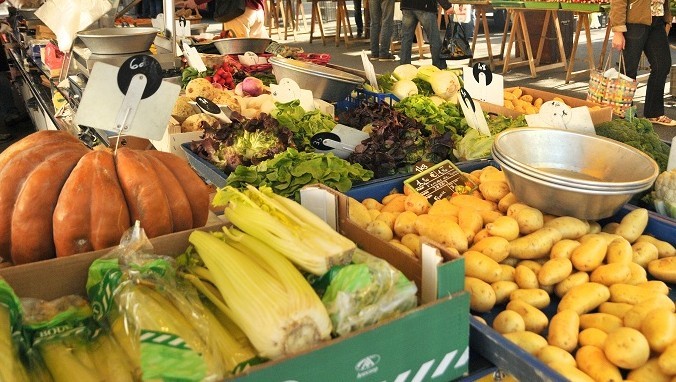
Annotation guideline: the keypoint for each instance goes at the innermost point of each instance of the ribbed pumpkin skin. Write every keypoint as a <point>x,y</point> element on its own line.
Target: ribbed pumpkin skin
<point>58,198</point>
<point>91,212</point>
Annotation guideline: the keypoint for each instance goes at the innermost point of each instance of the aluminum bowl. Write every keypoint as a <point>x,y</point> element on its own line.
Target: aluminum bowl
<point>326,83</point>
<point>242,45</point>
<point>118,40</point>
<point>562,200</point>
<point>574,159</point>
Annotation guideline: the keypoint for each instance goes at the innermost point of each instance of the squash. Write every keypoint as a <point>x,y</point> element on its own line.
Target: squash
<point>58,198</point>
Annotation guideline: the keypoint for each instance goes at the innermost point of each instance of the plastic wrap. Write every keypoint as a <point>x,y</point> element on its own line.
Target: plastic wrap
<point>11,341</point>
<point>159,321</point>
<point>365,292</point>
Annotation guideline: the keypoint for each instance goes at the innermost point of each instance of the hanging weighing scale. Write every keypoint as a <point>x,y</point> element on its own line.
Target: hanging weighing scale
<point>131,99</point>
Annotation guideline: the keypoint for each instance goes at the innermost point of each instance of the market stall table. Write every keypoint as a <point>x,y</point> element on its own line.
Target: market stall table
<point>582,13</point>
<point>342,21</point>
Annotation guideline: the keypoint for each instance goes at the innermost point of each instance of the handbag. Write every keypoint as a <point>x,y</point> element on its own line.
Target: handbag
<point>612,88</point>
<point>455,45</point>
<point>227,10</point>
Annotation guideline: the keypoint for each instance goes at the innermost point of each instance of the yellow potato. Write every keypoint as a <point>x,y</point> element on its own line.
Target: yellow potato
<point>584,298</point>
<point>554,354</point>
<point>491,173</point>
<point>534,245</point>
<point>619,251</point>
<point>643,253</point>
<point>663,269</point>
<point>442,230</point>
<point>506,201</point>
<point>610,227</point>
<point>412,242</point>
<point>633,224</point>
<point>638,274</point>
<point>517,92</point>
<point>481,295</point>
<point>473,202</point>
<point>609,274</point>
<point>470,221</point>
<point>535,297</point>
<point>404,223</point>
<point>505,227</point>
<point>388,217</point>
<point>529,109</point>
<point>528,341</point>
<point>657,286</point>
<point>394,204</point>
<point>494,190</point>
<point>403,248</point>
<point>554,271</point>
<point>635,316</point>
<point>594,227</point>
<point>649,372</point>
<point>374,214</point>
<point>358,213</point>
<point>527,98</point>
<point>495,247</point>
<point>631,294</point>
<point>667,360</point>
<point>534,266</point>
<point>664,248</point>
<point>508,321</point>
<point>618,309</point>
<point>508,272</point>
<point>380,229</point>
<point>372,204</point>
<point>515,207</point>
<point>489,216</point>
<point>626,348</point>
<point>525,277</point>
<point>508,102</point>
<point>575,279</point>
<point>603,321</point>
<point>590,254</point>
<point>563,248</point>
<point>659,328</point>
<point>570,372</point>
<point>570,227</point>
<point>593,361</point>
<point>513,261</point>
<point>564,329</point>
<point>529,220</point>
<point>443,207</point>
<point>482,267</point>
<point>538,102</point>
<point>592,337</point>
<point>536,321</point>
<point>416,203</point>
<point>482,234</point>
<point>503,289</point>
<point>391,197</point>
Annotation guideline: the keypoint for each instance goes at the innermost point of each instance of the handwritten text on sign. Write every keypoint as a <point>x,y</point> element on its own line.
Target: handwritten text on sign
<point>439,181</point>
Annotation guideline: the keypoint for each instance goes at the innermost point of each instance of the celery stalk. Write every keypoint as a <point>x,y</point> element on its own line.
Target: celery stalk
<point>12,369</point>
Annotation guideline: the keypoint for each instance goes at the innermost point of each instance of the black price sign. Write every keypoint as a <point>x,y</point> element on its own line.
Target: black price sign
<point>440,181</point>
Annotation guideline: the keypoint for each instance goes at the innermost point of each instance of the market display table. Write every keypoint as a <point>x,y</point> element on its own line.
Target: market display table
<point>342,21</point>
<point>582,13</point>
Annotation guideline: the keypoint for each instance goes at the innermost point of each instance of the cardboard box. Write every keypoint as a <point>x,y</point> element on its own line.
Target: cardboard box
<point>605,114</point>
<point>173,138</point>
<point>438,331</point>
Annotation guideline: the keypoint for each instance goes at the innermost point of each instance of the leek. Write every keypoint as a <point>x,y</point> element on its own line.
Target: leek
<point>263,293</point>
<point>287,226</point>
<point>12,369</point>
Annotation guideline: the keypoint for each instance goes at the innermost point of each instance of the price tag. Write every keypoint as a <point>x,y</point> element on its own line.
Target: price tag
<point>440,181</point>
<point>473,113</point>
<point>369,71</point>
<point>274,48</point>
<point>251,58</point>
<point>182,27</point>
<point>193,58</point>
<point>558,115</point>
<point>483,84</point>
<point>288,90</point>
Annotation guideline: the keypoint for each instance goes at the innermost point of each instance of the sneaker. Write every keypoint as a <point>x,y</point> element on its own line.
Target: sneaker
<point>387,57</point>
<point>373,57</point>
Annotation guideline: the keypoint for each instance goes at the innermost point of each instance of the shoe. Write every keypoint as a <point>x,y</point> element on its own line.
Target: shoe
<point>663,120</point>
<point>359,35</point>
<point>387,57</point>
<point>373,57</point>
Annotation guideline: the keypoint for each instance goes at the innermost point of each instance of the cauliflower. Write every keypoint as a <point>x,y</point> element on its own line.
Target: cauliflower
<point>664,195</point>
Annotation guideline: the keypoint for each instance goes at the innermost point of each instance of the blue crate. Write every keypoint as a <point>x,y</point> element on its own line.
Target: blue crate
<point>207,171</point>
<point>358,96</point>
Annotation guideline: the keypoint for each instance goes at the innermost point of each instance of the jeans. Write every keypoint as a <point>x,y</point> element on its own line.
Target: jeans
<point>428,21</point>
<point>653,41</point>
<point>382,26</point>
<point>358,16</point>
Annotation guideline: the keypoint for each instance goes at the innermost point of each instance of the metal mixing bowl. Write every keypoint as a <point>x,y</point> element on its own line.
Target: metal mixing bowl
<point>575,159</point>
<point>326,83</point>
<point>118,40</point>
<point>242,45</point>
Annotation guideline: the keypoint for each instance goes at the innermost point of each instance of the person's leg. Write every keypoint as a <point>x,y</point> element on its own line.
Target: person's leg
<point>634,42</point>
<point>408,23</point>
<point>659,56</point>
<point>429,24</point>
<point>387,27</point>
<point>375,12</point>
<point>358,20</point>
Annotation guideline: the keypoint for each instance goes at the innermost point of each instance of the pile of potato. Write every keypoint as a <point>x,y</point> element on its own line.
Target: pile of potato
<point>526,103</point>
<point>611,323</point>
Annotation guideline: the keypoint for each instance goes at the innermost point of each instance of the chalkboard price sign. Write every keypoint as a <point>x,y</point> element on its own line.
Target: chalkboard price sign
<point>440,181</point>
